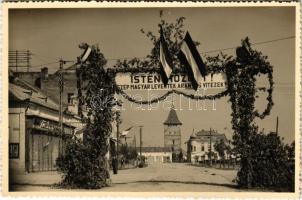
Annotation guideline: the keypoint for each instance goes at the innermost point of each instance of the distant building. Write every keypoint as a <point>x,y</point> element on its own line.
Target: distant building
<point>172,132</point>
<point>156,154</point>
<point>198,145</point>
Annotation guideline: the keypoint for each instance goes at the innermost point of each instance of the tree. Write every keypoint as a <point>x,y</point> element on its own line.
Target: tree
<point>272,164</point>
<point>128,152</point>
<point>196,158</point>
<point>221,148</point>
<point>180,156</point>
<point>174,34</point>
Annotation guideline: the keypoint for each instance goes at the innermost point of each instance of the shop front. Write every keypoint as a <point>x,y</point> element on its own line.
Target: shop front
<point>44,143</point>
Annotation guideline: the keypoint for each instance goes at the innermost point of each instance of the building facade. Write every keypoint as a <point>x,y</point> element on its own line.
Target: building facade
<point>172,132</point>
<point>202,143</point>
<point>156,155</point>
<point>35,139</point>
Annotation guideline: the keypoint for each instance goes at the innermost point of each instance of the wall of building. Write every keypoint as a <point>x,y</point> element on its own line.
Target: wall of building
<point>157,157</point>
<point>201,149</point>
<point>54,116</point>
<point>51,86</point>
<point>17,130</point>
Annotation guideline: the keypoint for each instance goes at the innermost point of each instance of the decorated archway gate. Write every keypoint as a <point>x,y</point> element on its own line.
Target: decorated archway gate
<point>100,86</point>
<point>97,88</point>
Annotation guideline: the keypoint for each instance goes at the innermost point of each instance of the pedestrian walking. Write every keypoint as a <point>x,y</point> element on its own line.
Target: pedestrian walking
<point>114,165</point>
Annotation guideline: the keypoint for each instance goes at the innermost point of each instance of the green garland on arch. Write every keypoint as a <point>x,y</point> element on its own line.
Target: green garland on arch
<point>262,68</point>
<point>164,96</point>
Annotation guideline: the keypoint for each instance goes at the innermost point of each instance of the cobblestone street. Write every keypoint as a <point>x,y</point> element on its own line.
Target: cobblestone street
<point>158,177</point>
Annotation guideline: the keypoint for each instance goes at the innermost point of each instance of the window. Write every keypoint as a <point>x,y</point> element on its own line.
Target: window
<point>14,150</point>
<point>194,148</point>
<point>69,95</point>
<point>202,148</point>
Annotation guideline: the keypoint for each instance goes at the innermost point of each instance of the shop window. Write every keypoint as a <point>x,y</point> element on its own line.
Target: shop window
<point>14,150</point>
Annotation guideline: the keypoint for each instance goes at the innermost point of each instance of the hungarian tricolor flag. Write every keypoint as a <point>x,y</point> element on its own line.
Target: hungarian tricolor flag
<point>190,58</point>
<point>165,59</point>
<point>86,54</point>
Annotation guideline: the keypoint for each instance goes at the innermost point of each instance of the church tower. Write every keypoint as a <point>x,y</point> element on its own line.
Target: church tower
<point>172,133</point>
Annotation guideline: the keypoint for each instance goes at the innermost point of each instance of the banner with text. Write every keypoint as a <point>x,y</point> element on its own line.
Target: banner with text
<point>146,81</point>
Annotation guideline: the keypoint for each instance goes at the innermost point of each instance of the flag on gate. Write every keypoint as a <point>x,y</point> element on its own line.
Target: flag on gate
<point>192,61</point>
<point>125,132</point>
<point>165,59</point>
<point>86,54</point>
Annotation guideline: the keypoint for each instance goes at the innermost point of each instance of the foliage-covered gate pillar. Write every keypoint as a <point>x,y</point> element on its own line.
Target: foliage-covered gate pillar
<point>241,77</point>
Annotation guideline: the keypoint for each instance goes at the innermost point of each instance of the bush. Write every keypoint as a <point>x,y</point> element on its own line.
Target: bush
<point>272,164</point>
<point>80,168</point>
<point>141,165</point>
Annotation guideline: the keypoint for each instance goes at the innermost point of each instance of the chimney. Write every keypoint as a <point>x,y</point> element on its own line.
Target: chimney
<point>38,83</point>
<point>44,73</point>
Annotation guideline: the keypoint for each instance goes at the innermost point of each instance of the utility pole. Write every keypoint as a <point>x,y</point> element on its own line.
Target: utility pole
<point>140,140</point>
<point>61,87</point>
<point>277,125</point>
<point>134,140</point>
<point>210,147</point>
<point>117,140</point>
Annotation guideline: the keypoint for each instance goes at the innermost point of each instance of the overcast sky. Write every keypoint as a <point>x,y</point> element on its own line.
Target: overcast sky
<point>51,34</point>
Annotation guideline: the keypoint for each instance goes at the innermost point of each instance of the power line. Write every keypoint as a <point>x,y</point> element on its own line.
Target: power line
<point>41,65</point>
<point>210,51</point>
<point>253,44</point>
<point>47,57</point>
<point>223,49</point>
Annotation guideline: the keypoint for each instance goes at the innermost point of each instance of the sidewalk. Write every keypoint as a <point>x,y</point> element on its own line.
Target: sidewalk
<point>47,178</point>
<point>37,178</point>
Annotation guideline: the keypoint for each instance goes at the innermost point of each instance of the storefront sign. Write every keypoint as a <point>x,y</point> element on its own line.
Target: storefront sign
<point>51,126</point>
<point>179,81</point>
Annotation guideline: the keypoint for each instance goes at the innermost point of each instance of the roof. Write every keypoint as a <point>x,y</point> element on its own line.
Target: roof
<point>18,93</point>
<point>154,149</point>
<point>203,132</point>
<point>204,135</point>
<point>33,94</point>
<point>172,118</point>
